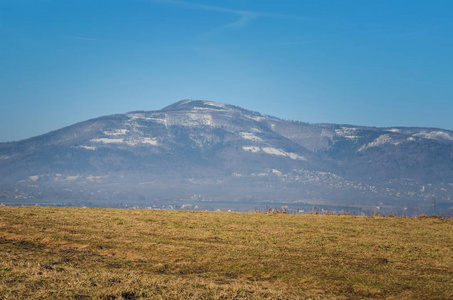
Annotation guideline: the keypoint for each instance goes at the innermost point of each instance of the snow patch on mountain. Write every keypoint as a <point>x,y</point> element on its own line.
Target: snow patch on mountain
<point>91,148</point>
<point>151,141</point>
<point>34,177</point>
<point>215,104</point>
<point>141,141</point>
<point>252,149</point>
<point>296,156</point>
<point>276,172</point>
<point>255,118</point>
<point>159,119</point>
<point>434,135</point>
<point>250,136</point>
<point>130,141</point>
<point>198,108</point>
<point>139,116</point>
<point>191,119</point>
<point>381,140</point>
<point>62,178</point>
<point>92,178</point>
<point>273,151</point>
<point>347,132</point>
<point>107,141</point>
<point>116,132</point>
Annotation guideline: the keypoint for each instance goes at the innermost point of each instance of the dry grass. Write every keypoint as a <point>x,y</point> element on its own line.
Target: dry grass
<point>76,253</point>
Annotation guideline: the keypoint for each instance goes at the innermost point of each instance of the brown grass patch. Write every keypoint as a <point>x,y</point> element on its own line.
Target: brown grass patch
<point>80,253</point>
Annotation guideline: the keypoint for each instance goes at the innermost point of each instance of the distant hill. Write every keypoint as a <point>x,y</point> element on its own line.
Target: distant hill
<point>203,150</point>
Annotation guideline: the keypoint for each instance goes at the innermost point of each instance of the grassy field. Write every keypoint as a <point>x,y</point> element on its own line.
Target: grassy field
<point>82,253</point>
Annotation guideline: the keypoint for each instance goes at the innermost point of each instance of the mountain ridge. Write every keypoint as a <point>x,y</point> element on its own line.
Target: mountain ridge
<point>207,147</point>
<point>321,124</point>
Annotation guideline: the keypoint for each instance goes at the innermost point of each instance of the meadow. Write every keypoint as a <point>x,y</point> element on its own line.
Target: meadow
<point>87,253</point>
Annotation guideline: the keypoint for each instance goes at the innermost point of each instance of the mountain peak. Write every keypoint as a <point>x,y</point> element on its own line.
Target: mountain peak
<point>209,106</point>
<point>185,105</point>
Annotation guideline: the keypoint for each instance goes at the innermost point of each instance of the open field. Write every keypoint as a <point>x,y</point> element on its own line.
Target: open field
<point>78,253</point>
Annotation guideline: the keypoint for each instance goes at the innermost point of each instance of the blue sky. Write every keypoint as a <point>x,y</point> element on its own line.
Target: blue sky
<point>364,62</point>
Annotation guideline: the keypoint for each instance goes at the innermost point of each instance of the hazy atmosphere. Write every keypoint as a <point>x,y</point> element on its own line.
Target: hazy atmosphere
<point>378,63</point>
<point>177,149</point>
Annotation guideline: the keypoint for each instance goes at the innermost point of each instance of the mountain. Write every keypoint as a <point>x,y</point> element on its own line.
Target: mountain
<point>207,151</point>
